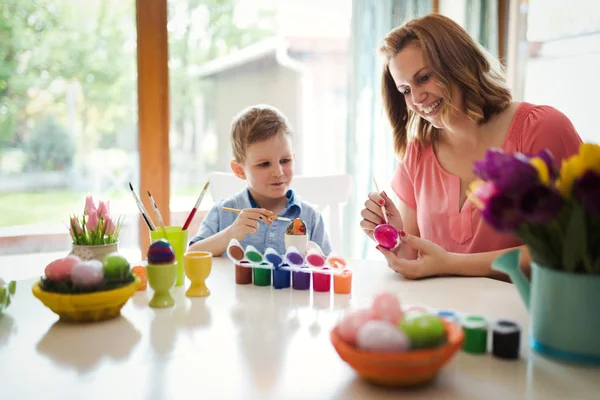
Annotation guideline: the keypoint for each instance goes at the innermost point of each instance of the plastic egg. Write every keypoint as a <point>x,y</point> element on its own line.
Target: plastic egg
<point>386,235</point>
<point>381,336</point>
<point>386,307</point>
<point>87,274</point>
<point>423,330</point>
<point>161,252</point>
<point>348,328</point>
<point>60,270</point>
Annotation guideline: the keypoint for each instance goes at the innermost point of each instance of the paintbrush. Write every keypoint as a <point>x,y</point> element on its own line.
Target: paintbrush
<point>157,212</point>
<point>193,212</point>
<point>382,207</point>
<point>270,216</point>
<point>142,209</point>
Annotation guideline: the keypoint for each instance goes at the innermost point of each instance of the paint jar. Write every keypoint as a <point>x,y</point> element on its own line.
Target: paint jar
<point>243,273</point>
<point>321,281</point>
<point>342,283</point>
<point>301,280</point>
<point>262,275</point>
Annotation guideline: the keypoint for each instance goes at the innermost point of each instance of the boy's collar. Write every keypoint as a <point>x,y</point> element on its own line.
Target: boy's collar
<point>293,199</point>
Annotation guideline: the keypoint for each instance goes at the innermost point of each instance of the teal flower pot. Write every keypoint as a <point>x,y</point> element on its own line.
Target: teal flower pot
<point>564,309</point>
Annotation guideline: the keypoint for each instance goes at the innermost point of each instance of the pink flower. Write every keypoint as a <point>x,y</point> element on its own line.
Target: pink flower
<point>109,226</point>
<point>92,222</point>
<point>75,227</point>
<point>90,207</point>
<point>480,192</point>
<point>103,210</point>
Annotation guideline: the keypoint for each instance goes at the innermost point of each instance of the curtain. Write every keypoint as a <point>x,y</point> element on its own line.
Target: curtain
<point>481,21</point>
<point>370,149</point>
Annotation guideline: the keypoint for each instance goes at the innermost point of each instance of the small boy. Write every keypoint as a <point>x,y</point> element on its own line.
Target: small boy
<point>263,157</point>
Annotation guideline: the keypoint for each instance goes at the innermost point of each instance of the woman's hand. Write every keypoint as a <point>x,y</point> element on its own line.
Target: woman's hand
<point>373,215</point>
<point>430,261</point>
<point>247,222</point>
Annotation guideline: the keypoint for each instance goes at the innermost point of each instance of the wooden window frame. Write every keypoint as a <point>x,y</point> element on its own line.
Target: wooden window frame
<point>153,110</point>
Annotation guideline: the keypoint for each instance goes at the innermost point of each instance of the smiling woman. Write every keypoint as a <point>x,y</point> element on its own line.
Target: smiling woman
<point>448,103</point>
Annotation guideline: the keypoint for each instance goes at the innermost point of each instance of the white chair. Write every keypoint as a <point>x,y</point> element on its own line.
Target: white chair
<point>326,193</point>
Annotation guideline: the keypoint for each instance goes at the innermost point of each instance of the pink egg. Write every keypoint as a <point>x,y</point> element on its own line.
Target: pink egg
<point>386,307</point>
<point>386,235</point>
<point>60,270</point>
<point>87,274</point>
<point>349,326</point>
<point>381,336</point>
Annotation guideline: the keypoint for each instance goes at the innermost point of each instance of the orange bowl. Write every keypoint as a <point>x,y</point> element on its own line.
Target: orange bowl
<point>411,368</point>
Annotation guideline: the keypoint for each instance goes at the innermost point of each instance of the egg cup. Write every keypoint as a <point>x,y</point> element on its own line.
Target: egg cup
<point>161,278</point>
<point>198,265</point>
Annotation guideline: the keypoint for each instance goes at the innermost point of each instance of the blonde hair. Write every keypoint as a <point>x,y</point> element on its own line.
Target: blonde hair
<point>256,124</point>
<point>454,58</point>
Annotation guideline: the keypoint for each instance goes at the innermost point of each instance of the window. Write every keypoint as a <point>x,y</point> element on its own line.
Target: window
<point>292,54</point>
<point>561,59</point>
<point>68,118</point>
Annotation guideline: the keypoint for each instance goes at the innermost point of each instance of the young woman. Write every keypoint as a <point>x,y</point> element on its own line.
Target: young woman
<point>448,103</point>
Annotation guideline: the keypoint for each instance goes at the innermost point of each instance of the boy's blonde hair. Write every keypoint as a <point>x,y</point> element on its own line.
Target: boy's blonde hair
<point>256,124</point>
<point>454,58</point>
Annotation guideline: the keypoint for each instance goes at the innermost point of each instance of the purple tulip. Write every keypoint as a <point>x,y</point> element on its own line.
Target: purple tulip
<point>502,212</point>
<point>587,190</point>
<point>540,204</point>
<point>510,173</point>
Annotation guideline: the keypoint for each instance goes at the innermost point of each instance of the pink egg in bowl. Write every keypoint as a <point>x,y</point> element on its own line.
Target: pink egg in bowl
<point>348,328</point>
<point>60,269</point>
<point>386,307</point>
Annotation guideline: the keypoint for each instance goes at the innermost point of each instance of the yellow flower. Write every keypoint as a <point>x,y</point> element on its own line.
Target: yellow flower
<point>574,167</point>
<point>542,169</point>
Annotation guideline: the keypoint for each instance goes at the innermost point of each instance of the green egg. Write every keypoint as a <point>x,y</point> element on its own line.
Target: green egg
<point>115,267</point>
<point>423,330</point>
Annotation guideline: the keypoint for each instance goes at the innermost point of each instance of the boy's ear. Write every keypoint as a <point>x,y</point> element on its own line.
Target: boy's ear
<point>237,169</point>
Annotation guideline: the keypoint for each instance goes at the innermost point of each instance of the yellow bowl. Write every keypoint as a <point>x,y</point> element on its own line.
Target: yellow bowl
<point>87,307</point>
<point>410,368</point>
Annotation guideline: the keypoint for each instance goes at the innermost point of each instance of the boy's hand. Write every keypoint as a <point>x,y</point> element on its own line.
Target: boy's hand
<point>247,222</point>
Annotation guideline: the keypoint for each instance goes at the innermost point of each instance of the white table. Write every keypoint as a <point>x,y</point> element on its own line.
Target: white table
<point>247,342</point>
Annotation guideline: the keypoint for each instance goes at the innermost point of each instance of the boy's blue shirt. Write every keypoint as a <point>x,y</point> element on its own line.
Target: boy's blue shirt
<point>218,219</point>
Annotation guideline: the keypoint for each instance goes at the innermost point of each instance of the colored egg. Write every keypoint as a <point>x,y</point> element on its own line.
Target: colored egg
<point>423,330</point>
<point>296,227</point>
<point>115,267</point>
<point>348,328</point>
<point>386,307</point>
<point>60,270</point>
<point>381,336</point>
<point>87,274</point>
<point>386,235</point>
<point>161,252</point>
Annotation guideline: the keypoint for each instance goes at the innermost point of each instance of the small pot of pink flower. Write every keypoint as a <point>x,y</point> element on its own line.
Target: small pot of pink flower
<point>95,233</point>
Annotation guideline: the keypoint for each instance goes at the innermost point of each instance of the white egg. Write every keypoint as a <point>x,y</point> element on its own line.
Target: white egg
<point>381,336</point>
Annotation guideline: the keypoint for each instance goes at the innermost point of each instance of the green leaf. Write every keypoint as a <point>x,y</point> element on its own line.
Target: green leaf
<point>575,240</point>
<point>12,286</point>
<point>541,251</point>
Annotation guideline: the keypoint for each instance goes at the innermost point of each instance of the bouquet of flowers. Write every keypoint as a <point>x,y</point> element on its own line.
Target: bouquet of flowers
<point>556,213</point>
<point>95,226</point>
